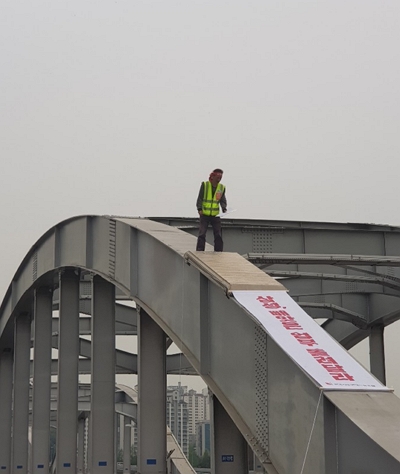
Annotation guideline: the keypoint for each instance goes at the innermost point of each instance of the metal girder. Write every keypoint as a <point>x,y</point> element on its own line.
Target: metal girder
<point>242,224</point>
<point>377,280</point>
<point>125,318</point>
<point>350,335</point>
<point>324,248</point>
<point>169,293</point>
<point>332,311</point>
<point>321,259</point>
<point>126,363</point>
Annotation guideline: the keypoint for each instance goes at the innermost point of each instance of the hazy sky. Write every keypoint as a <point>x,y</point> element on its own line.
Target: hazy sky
<point>124,107</point>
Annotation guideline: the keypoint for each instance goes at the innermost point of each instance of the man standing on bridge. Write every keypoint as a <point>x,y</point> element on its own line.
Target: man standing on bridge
<point>211,196</point>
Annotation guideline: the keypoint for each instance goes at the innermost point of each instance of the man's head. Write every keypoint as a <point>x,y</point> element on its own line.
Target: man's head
<point>216,176</point>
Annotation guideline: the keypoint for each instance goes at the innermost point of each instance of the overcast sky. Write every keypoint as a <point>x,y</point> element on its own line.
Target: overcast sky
<point>124,107</point>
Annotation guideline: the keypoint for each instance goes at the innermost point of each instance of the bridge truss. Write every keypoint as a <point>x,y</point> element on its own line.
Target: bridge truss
<point>346,274</point>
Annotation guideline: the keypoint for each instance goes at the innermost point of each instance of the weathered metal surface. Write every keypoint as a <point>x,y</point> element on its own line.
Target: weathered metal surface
<point>231,271</point>
<point>144,260</point>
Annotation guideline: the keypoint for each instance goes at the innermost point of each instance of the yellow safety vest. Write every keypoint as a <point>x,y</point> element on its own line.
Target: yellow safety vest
<point>210,202</point>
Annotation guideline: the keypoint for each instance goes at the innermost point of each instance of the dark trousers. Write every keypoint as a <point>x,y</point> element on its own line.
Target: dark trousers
<point>216,226</point>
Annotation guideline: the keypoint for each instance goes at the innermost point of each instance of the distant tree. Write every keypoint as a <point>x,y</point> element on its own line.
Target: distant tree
<point>133,456</point>
<point>205,460</point>
<point>193,456</point>
<point>120,456</point>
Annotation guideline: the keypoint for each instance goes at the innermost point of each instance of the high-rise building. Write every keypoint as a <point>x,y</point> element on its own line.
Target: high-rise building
<point>203,437</point>
<point>177,415</point>
<point>198,410</point>
<point>185,409</point>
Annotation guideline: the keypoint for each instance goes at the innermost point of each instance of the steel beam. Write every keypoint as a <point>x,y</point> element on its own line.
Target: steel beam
<point>20,423</point>
<point>204,327</point>
<point>102,419</point>
<point>377,353</point>
<point>6,373</point>
<point>229,448</point>
<point>152,380</point>
<point>67,405</point>
<point>127,444</point>
<point>322,259</point>
<point>81,445</point>
<point>41,381</point>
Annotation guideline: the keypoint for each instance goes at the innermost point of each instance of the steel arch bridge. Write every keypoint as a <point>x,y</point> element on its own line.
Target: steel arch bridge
<point>344,273</point>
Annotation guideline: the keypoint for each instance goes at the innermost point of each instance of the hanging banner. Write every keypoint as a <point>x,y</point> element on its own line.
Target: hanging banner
<point>312,348</point>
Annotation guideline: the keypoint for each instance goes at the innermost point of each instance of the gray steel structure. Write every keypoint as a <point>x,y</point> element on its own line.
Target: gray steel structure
<point>348,274</point>
<point>343,272</point>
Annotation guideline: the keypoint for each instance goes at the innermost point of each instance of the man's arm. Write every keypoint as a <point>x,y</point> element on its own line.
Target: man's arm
<point>199,202</point>
<point>223,202</point>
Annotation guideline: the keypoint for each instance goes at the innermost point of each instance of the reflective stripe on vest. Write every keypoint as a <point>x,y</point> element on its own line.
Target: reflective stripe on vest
<point>210,202</point>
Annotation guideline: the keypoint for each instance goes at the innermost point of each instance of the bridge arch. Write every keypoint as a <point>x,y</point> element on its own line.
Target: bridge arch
<point>148,262</point>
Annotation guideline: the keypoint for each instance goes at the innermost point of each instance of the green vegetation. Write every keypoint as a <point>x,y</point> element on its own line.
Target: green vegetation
<point>120,456</point>
<point>196,460</point>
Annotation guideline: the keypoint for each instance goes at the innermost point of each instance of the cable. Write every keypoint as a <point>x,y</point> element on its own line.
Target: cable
<point>312,429</point>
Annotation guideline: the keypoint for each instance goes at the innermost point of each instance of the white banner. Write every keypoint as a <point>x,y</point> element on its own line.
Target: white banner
<point>312,348</point>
